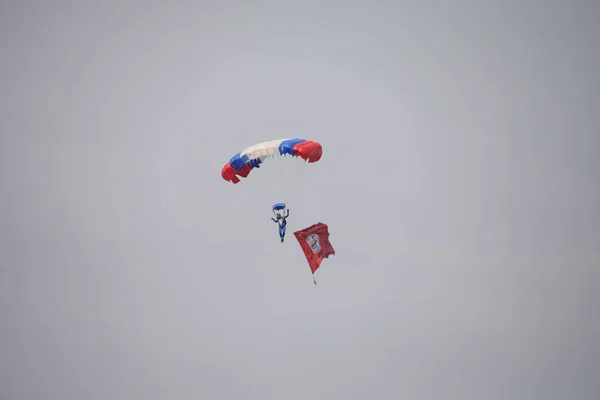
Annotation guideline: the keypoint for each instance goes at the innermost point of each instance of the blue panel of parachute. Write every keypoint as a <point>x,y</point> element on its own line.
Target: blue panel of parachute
<point>238,162</point>
<point>254,163</point>
<point>286,146</point>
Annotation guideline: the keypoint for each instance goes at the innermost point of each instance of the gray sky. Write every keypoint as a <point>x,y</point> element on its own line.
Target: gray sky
<point>459,181</point>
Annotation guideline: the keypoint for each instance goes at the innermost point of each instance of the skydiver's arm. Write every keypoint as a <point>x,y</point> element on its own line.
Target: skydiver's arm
<point>287,213</point>
<point>273,219</point>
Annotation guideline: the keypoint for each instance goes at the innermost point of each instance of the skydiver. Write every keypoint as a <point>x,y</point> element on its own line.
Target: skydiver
<point>281,220</point>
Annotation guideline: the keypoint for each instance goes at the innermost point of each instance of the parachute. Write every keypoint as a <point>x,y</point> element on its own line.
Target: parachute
<point>241,164</point>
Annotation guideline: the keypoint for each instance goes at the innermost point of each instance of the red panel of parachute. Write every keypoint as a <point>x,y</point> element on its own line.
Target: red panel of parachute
<point>230,174</point>
<point>309,150</point>
<point>315,244</point>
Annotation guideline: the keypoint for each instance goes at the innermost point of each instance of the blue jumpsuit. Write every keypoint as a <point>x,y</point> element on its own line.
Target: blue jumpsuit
<point>282,223</point>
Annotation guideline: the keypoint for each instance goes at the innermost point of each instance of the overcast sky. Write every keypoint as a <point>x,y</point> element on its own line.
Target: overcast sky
<point>459,181</point>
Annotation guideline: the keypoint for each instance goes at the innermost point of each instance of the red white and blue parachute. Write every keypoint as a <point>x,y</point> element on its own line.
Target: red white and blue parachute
<point>245,161</point>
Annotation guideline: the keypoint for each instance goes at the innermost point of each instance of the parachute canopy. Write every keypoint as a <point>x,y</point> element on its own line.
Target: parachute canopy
<point>245,161</point>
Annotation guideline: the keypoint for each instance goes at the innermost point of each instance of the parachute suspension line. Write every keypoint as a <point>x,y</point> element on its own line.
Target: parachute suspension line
<point>266,181</point>
<point>280,162</point>
<point>301,161</point>
<point>262,178</point>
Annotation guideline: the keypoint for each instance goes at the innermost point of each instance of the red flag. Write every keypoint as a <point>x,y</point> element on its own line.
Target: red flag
<point>315,244</point>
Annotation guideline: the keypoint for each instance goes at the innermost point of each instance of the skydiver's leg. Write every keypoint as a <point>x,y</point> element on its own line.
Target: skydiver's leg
<point>282,232</point>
